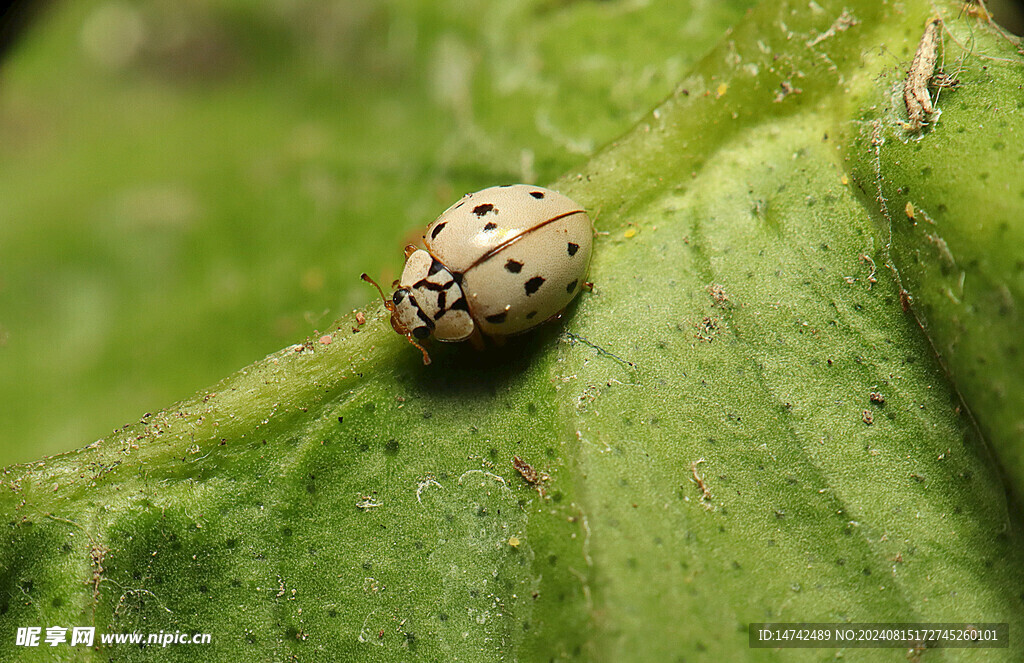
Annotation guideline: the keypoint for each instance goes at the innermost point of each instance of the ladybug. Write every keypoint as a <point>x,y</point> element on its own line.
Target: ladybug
<point>498,262</point>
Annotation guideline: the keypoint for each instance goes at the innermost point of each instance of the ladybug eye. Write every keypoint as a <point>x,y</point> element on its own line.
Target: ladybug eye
<point>399,296</point>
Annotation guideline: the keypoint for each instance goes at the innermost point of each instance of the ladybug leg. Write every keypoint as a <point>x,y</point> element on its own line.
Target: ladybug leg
<point>588,286</point>
<point>476,339</point>
<point>409,250</point>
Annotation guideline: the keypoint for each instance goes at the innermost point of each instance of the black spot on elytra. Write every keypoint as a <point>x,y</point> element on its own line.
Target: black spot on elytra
<point>533,285</point>
<point>442,298</point>
<point>573,248</point>
<point>436,266</point>
<point>529,316</point>
<point>537,194</point>
<point>497,318</point>
<point>572,286</point>
<point>490,225</point>
<point>514,266</point>
<point>480,210</point>
<point>437,230</point>
<point>459,305</point>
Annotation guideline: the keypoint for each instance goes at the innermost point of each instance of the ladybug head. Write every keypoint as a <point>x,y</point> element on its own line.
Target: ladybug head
<point>407,319</point>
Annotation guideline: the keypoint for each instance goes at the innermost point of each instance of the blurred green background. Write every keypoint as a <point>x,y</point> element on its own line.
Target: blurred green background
<point>188,186</point>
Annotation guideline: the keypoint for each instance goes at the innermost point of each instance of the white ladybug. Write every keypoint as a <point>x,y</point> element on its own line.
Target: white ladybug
<point>498,262</point>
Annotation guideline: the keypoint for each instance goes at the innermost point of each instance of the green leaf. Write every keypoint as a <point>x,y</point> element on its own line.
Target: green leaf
<point>739,424</point>
<point>951,203</point>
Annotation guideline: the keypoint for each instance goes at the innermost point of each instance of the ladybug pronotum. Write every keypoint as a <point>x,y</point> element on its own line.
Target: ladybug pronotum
<point>498,262</point>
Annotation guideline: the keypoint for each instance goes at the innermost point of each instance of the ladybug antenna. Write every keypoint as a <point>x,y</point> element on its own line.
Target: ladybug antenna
<point>388,304</point>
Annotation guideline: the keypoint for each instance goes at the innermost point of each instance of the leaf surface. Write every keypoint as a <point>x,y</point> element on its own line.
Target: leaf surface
<point>740,424</point>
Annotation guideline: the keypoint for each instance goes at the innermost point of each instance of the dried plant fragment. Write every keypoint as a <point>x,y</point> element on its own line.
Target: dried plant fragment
<point>915,88</point>
<point>845,21</point>
<point>530,475</point>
